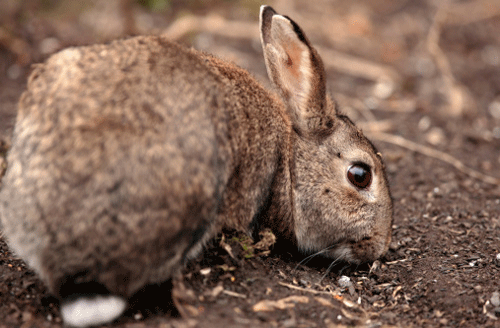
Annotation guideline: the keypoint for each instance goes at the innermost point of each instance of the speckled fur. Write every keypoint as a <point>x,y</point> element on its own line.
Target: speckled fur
<point>126,157</point>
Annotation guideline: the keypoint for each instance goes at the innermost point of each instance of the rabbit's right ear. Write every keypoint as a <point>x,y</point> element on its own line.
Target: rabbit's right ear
<point>297,71</point>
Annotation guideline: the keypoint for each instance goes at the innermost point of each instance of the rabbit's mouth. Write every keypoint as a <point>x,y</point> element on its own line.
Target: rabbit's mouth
<point>366,250</point>
<point>361,251</point>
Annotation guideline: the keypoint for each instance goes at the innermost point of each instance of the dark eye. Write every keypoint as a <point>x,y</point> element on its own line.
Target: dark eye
<point>360,175</point>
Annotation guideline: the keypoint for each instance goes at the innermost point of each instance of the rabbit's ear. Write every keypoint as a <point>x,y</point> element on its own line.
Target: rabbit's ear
<point>297,71</point>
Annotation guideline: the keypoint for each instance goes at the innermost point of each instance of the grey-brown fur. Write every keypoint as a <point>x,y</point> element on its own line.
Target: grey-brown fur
<point>126,157</point>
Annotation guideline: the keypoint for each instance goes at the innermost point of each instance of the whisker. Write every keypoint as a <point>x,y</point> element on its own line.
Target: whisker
<point>329,269</point>
<point>310,257</point>
<point>343,268</point>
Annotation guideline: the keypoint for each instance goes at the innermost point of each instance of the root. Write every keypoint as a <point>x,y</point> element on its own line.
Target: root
<point>212,24</point>
<point>430,152</point>
<point>462,13</point>
<point>456,93</point>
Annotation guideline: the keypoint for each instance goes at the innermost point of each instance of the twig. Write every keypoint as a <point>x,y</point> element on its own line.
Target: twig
<point>405,105</point>
<point>307,290</point>
<point>463,13</point>
<point>376,126</point>
<point>358,67</point>
<point>357,104</point>
<point>396,261</point>
<point>234,294</point>
<point>430,152</point>
<point>456,93</point>
<point>211,24</point>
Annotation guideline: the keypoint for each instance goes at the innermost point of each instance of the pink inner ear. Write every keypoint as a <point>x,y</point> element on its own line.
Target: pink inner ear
<point>293,61</point>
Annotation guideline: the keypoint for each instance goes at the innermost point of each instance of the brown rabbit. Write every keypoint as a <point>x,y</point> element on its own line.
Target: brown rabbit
<point>127,157</point>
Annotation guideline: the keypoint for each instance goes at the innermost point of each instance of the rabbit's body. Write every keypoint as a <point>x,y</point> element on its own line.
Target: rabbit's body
<point>158,166</point>
<point>127,157</point>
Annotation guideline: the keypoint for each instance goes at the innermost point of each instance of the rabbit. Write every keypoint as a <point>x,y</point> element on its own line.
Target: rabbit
<point>127,158</point>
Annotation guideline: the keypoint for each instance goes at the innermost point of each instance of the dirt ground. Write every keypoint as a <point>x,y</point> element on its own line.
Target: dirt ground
<point>422,78</point>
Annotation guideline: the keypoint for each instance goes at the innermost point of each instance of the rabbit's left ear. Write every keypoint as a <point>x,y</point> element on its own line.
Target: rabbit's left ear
<point>296,70</point>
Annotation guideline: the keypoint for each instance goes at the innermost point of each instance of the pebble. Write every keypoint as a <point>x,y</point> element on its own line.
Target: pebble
<point>345,282</point>
<point>424,124</point>
<point>497,260</point>
<point>494,109</point>
<point>435,136</point>
<point>205,271</point>
<point>495,299</point>
<point>383,89</point>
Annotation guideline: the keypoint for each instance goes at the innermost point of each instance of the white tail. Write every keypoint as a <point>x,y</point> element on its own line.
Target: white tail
<point>87,311</point>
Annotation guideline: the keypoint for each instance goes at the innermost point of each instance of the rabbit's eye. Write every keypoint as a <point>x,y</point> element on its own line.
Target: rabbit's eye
<point>360,175</point>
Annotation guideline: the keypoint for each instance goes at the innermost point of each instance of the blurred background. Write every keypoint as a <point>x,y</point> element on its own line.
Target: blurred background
<point>386,60</point>
<point>420,77</point>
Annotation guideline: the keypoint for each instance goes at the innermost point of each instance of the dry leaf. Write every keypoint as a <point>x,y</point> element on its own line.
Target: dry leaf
<point>284,303</point>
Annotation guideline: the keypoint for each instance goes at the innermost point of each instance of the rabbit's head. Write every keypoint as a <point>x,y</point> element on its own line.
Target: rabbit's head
<point>341,200</point>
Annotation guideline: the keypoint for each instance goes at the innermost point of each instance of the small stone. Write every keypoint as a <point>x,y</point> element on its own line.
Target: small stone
<point>435,136</point>
<point>424,124</point>
<point>438,314</point>
<point>205,271</point>
<point>497,260</point>
<point>495,299</point>
<point>443,321</point>
<point>494,109</point>
<point>345,282</point>
<point>383,89</point>
<point>394,245</point>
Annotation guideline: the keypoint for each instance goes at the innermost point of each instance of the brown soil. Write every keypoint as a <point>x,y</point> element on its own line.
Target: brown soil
<point>443,267</point>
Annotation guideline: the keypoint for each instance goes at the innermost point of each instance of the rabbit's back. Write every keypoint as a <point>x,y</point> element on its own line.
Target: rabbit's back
<point>121,160</point>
